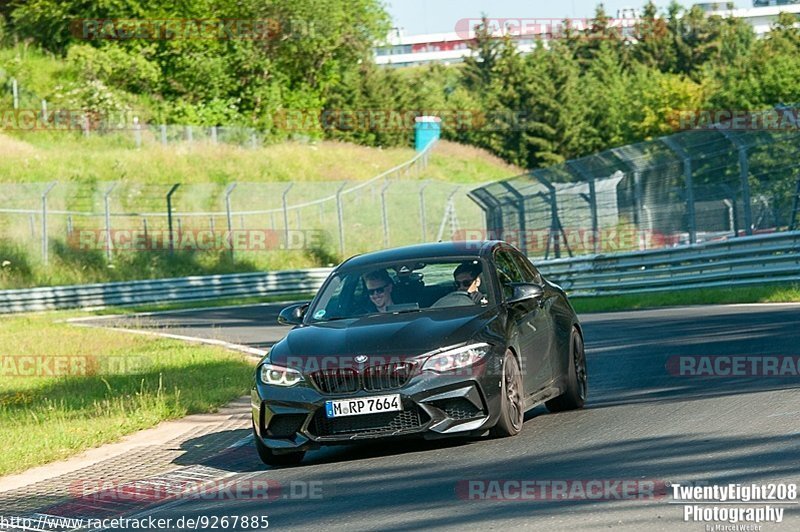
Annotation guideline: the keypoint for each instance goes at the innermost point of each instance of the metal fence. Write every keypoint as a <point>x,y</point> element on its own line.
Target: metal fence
<point>198,288</point>
<point>746,261</point>
<point>729,179</point>
<point>396,207</point>
<point>30,112</point>
<point>755,260</point>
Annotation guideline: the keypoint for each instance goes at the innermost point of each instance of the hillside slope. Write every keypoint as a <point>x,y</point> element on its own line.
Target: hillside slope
<point>85,169</point>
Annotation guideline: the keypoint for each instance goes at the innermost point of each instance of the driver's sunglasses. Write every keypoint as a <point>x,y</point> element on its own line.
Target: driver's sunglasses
<point>465,284</point>
<point>379,290</point>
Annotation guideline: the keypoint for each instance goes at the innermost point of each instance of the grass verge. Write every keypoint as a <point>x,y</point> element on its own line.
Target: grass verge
<point>42,157</point>
<point>64,389</point>
<point>707,296</point>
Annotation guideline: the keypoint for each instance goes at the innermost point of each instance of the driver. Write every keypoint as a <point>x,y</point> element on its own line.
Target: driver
<point>379,288</point>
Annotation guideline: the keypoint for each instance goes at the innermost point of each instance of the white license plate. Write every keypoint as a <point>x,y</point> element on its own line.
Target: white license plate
<point>363,405</point>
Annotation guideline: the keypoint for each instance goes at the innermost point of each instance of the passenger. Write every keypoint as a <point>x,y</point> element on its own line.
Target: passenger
<point>379,288</point>
<point>468,281</point>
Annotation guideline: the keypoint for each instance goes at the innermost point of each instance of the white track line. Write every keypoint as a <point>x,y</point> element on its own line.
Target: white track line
<point>178,311</point>
<point>260,353</point>
<point>178,500</point>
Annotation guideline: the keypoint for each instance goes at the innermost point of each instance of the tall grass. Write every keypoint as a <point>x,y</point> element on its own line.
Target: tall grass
<point>144,176</point>
<point>48,417</point>
<point>772,293</point>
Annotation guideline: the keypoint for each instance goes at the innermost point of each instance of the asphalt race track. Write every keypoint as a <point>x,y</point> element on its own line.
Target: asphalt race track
<point>644,426</point>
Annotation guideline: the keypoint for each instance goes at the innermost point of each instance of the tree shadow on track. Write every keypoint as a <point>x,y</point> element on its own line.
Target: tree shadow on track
<point>428,489</point>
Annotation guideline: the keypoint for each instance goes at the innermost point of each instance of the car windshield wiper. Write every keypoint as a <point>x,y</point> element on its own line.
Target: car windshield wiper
<point>335,318</point>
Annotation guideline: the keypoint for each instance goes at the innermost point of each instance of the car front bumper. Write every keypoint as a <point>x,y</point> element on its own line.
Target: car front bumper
<point>434,406</point>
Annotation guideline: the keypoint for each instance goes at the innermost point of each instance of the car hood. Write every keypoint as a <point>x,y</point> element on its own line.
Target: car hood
<point>399,336</point>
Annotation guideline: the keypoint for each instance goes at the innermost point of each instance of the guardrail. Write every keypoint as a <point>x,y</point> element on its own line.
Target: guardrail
<point>735,262</point>
<point>198,288</point>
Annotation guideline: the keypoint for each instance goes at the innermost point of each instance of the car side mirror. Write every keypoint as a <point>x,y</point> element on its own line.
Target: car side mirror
<point>525,292</point>
<point>293,314</point>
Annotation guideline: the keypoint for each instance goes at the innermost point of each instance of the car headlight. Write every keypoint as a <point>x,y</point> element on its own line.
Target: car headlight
<point>279,376</point>
<point>460,357</point>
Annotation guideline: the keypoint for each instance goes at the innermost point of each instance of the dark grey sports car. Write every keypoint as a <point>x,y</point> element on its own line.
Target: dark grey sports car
<point>433,340</point>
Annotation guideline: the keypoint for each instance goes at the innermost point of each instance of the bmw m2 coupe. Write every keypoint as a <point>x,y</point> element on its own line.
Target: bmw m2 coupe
<point>434,340</point>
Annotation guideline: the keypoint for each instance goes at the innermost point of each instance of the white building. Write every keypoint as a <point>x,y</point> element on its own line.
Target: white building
<point>762,16</point>
<point>400,50</point>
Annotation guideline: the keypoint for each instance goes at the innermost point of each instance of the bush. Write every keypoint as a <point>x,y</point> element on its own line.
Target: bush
<point>15,269</point>
<point>116,67</point>
<point>95,98</point>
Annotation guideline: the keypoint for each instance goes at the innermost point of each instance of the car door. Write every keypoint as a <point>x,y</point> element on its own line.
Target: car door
<point>527,326</point>
<point>544,319</point>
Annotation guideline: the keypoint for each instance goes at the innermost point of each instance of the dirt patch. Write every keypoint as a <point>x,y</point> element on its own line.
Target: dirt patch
<point>463,151</point>
<point>13,147</point>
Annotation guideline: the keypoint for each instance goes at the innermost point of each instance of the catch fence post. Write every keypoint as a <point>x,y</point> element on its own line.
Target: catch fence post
<point>422,219</point>
<point>687,176</point>
<point>169,216</point>
<point>228,192</point>
<point>108,220</point>
<point>286,214</point>
<point>340,216</point>
<point>15,92</point>
<point>385,215</point>
<point>44,221</point>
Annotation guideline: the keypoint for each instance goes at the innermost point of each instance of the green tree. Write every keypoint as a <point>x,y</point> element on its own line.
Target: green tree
<point>661,100</point>
<point>601,33</point>
<point>767,74</point>
<point>558,128</point>
<point>653,44</point>
<point>312,46</point>
<point>606,89</point>
<point>371,106</point>
<point>698,39</point>
<point>479,68</point>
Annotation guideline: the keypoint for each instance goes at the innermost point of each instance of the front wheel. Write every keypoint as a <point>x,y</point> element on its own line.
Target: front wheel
<point>577,378</point>
<point>269,457</point>
<point>511,403</point>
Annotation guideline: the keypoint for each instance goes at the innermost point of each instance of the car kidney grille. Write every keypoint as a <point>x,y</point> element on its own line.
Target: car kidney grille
<point>372,379</point>
<point>383,424</point>
<point>336,380</point>
<point>387,376</point>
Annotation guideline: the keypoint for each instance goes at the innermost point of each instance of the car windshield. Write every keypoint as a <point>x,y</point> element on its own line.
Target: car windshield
<point>416,286</point>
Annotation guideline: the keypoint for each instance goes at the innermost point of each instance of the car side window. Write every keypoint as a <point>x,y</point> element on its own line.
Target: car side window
<point>507,272</point>
<point>529,273</point>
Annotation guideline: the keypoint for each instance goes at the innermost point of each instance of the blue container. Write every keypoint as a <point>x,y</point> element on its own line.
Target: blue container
<point>427,129</point>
